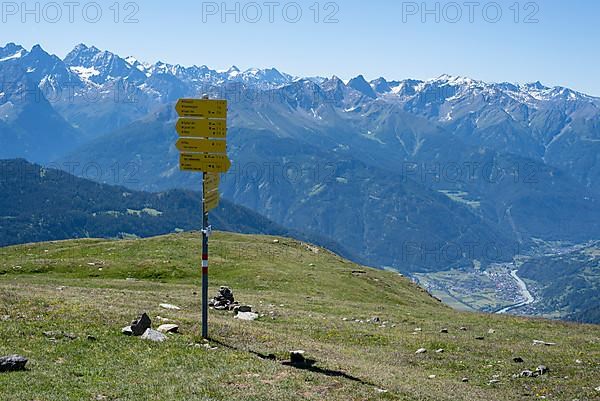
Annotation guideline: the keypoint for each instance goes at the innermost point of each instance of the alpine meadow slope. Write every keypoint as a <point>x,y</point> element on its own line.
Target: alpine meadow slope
<point>361,327</point>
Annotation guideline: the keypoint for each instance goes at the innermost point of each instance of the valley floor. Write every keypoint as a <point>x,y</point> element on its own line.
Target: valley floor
<point>308,299</point>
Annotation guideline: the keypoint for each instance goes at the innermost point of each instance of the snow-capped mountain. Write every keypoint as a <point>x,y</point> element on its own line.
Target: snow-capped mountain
<point>446,162</point>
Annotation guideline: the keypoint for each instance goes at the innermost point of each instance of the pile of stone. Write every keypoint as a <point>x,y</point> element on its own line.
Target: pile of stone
<point>224,300</point>
<point>142,327</point>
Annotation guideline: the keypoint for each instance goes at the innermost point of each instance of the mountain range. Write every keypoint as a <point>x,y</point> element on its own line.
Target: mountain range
<point>408,174</point>
<point>42,204</point>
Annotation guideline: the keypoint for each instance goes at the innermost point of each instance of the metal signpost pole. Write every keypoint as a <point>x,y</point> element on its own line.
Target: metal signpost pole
<point>204,264</point>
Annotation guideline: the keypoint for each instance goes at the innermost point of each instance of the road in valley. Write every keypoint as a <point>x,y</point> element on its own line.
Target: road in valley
<point>528,299</point>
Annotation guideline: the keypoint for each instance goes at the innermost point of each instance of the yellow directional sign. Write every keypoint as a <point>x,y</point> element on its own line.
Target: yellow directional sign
<point>202,108</point>
<point>211,183</point>
<point>211,203</point>
<point>202,128</point>
<point>207,163</point>
<point>201,145</point>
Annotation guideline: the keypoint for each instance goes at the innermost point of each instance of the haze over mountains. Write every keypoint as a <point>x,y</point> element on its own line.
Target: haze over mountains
<point>419,176</point>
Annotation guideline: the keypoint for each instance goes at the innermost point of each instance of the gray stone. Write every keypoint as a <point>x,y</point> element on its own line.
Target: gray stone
<point>249,316</point>
<point>170,307</point>
<point>494,381</point>
<point>538,342</point>
<point>526,373</point>
<point>463,329</point>
<point>12,363</point>
<point>542,370</point>
<point>127,331</point>
<point>465,380</point>
<point>297,357</point>
<point>445,331</point>
<point>139,326</point>
<point>154,335</point>
<point>421,351</point>
<point>439,351</point>
<point>168,328</point>
<point>243,308</point>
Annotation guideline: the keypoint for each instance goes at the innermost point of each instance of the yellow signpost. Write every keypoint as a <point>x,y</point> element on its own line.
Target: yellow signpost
<point>201,108</point>
<point>201,145</point>
<point>204,162</point>
<point>202,129</point>
<point>211,182</point>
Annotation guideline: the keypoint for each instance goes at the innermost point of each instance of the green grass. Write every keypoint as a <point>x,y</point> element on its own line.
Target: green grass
<point>80,287</point>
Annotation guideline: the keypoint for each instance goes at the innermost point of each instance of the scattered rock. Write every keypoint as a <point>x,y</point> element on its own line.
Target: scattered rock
<point>542,370</point>
<point>597,389</point>
<point>170,307</point>
<point>127,331</point>
<point>421,351</point>
<point>444,331</point>
<point>297,357</point>
<point>578,361</point>
<point>518,360</point>
<point>432,376</point>
<point>463,329</point>
<point>358,272</point>
<point>538,342</point>
<point>153,335</point>
<point>380,390</point>
<point>311,265</point>
<point>526,373</point>
<point>480,338</point>
<point>163,319</point>
<point>91,338</point>
<point>5,318</point>
<point>439,351</point>
<point>375,320</point>
<point>139,326</point>
<point>12,363</point>
<point>465,379</point>
<point>491,331</point>
<point>418,329</point>
<point>493,381</point>
<point>242,308</point>
<point>168,328</point>
<point>249,316</point>
<point>276,241</point>
<point>54,335</point>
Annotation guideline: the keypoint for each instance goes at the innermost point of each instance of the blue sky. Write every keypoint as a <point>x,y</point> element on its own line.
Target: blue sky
<point>394,39</point>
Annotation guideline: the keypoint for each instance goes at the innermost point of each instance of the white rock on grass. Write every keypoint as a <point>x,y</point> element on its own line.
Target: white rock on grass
<point>170,307</point>
<point>249,316</point>
<point>153,335</point>
<point>168,328</point>
<point>421,351</point>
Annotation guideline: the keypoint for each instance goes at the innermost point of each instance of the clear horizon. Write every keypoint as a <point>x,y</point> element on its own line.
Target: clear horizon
<point>551,42</point>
